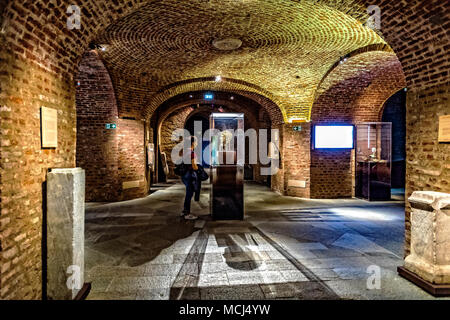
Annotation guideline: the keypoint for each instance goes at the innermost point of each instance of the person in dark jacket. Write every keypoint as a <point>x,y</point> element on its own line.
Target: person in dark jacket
<point>192,182</point>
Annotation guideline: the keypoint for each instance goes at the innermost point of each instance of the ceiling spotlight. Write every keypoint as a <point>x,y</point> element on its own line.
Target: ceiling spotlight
<point>227,44</point>
<point>343,59</point>
<point>232,98</point>
<point>96,46</point>
<point>191,96</point>
<point>406,89</point>
<point>218,78</point>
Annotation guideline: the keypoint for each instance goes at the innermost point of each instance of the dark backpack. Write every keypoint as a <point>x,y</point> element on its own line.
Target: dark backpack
<point>180,169</point>
<point>203,176</point>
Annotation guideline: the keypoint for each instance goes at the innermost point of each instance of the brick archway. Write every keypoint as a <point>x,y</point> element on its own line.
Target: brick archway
<point>39,59</point>
<point>176,111</point>
<point>355,91</point>
<point>231,86</point>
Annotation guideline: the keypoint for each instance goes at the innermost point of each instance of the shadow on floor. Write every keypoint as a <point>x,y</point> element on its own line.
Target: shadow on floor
<point>237,254</point>
<point>288,290</point>
<point>136,240</point>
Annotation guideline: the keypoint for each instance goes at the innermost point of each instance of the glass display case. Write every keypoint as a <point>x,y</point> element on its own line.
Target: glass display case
<point>373,161</point>
<point>227,166</point>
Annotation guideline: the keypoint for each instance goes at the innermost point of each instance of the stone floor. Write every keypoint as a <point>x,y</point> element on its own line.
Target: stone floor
<point>287,248</point>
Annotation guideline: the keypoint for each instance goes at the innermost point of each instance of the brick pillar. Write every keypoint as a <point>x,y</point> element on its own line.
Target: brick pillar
<point>294,177</point>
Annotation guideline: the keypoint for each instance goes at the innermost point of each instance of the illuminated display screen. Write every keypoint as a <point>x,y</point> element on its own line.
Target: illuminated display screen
<point>209,96</point>
<point>334,137</point>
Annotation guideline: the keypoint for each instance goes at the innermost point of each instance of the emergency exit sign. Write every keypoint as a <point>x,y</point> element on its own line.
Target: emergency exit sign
<point>297,128</point>
<point>111,126</point>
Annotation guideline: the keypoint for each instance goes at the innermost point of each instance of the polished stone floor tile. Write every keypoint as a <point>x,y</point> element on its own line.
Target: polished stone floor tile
<point>153,294</point>
<point>293,276</point>
<point>213,279</point>
<point>132,284</point>
<point>286,248</point>
<point>238,292</point>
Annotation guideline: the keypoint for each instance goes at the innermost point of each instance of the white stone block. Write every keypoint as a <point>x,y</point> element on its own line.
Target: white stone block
<point>65,233</point>
<point>430,236</point>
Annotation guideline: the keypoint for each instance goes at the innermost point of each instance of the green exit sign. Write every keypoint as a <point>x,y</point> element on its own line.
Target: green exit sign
<point>297,128</point>
<point>111,126</point>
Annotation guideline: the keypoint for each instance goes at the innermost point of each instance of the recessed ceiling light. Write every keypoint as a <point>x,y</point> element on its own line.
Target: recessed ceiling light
<point>218,78</point>
<point>227,44</point>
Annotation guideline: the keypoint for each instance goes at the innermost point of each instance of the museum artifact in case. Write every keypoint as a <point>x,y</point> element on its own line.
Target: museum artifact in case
<point>227,166</point>
<point>373,161</point>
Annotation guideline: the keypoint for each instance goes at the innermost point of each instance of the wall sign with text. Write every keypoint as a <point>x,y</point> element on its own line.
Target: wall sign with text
<point>444,128</point>
<point>49,127</point>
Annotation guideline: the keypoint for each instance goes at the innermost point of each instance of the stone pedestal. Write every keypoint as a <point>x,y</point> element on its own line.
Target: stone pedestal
<point>430,238</point>
<point>65,233</point>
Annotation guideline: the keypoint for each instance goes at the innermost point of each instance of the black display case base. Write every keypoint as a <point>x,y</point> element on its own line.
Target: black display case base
<point>227,193</point>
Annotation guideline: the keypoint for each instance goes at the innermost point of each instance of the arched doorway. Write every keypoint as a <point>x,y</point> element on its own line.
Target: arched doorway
<point>180,112</point>
<point>394,111</point>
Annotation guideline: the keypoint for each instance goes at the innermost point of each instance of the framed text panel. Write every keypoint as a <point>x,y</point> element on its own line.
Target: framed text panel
<point>444,128</point>
<point>49,127</point>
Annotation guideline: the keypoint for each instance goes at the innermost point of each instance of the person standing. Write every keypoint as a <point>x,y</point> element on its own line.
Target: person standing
<point>191,181</point>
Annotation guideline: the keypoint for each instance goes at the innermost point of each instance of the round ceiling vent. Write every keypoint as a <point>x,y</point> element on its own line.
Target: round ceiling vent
<point>227,44</point>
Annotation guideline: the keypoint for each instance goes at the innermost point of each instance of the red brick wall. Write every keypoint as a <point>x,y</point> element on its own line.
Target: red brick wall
<point>176,120</point>
<point>427,160</point>
<point>418,32</point>
<point>331,174</point>
<point>296,162</point>
<point>97,147</point>
<point>110,157</point>
<point>38,60</point>
<point>132,158</point>
<point>25,87</point>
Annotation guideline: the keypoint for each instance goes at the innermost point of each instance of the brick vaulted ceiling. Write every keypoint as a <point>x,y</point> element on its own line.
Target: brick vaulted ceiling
<point>287,47</point>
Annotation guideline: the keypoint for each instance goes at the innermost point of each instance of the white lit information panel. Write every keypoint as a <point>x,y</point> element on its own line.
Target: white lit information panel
<point>333,137</point>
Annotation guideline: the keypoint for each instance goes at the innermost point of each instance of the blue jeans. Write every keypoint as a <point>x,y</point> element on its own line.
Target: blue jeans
<point>190,181</point>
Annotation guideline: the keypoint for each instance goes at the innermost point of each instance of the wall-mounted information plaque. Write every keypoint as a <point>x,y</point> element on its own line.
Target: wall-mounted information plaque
<point>444,128</point>
<point>49,127</point>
